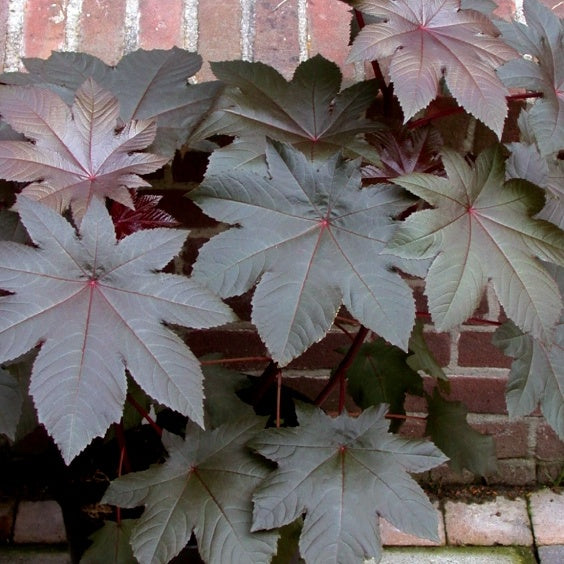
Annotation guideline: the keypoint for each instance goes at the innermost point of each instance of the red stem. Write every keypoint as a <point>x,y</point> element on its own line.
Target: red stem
<point>143,412</point>
<point>344,365</point>
<point>123,458</point>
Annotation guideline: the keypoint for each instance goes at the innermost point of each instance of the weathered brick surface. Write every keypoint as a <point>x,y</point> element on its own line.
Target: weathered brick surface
<point>160,26</point>
<point>547,516</point>
<point>39,522</point>
<point>276,35</point>
<point>44,26</point>
<point>328,32</point>
<point>101,29</point>
<point>511,437</point>
<point>3,30</point>
<point>219,36</point>
<point>548,445</point>
<point>503,521</point>
<point>475,348</point>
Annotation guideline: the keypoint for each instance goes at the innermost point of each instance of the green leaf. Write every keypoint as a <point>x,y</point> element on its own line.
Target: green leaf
<point>313,240</point>
<point>536,375</point>
<point>449,430</point>
<point>482,229</point>
<point>110,544</point>
<point>421,357</point>
<point>98,306</point>
<point>309,111</point>
<point>380,374</point>
<point>11,401</point>
<point>220,389</point>
<point>204,487</point>
<point>343,472</point>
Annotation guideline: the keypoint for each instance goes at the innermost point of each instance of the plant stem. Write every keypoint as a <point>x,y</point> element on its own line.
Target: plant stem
<point>143,412</point>
<point>266,379</point>
<point>341,371</point>
<point>123,458</point>
<point>387,91</point>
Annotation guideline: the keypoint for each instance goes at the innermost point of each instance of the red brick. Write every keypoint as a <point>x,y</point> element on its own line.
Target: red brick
<point>219,35</point>
<point>549,446</point>
<point>514,472</point>
<point>479,394</point>
<point>511,437</point>
<point>39,522</point>
<point>44,27</point>
<point>505,9</point>
<point>329,29</point>
<point>276,35</point>
<point>101,29</point>
<point>160,25</point>
<point>556,6</point>
<point>476,349</point>
<point>439,344</point>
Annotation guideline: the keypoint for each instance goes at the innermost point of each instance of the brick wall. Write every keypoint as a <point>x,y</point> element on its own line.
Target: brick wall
<point>282,33</point>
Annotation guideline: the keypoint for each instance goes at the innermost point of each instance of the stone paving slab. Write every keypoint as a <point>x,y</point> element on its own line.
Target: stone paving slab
<point>451,555</point>
<point>547,516</point>
<point>500,522</point>
<point>39,522</point>
<point>553,554</point>
<point>34,556</point>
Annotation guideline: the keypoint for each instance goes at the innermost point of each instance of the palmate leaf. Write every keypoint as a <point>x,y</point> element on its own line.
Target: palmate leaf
<point>537,373</point>
<point>449,430</point>
<point>547,172</point>
<point>309,111</point>
<point>482,229</point>
<point>421,41</point>
<point>148,85</point>
<point>110,544</point>
<point>75,155</point>
<point>98,306</point>
<point>543,40</point>
<point>205,487</point>
<point>312,239</point>
<point>343,472</point>
<point>380,374</point>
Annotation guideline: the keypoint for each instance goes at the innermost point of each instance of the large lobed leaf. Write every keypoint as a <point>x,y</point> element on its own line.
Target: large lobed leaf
<point>98,306</point>
<point>148,85</point>
<point>343,472</point>
<point>309,111</point>
<point>482,229</point>
<point>419,42</point>
<point>204,487</point>
<point>75,155</point>
<point>542,39</point>
<point>537,373</point>
<point>312,239</point>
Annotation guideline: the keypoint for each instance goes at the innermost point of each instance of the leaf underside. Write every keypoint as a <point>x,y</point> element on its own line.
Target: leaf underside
<point>343,472</point>
<point>312,239</point>
<point>420,42</point>
<point>204,487</point>
<point>482,229</point>
<point>98,306</point>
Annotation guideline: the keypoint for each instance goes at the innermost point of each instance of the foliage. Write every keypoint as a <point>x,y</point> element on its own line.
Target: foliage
<point>334,204</point>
